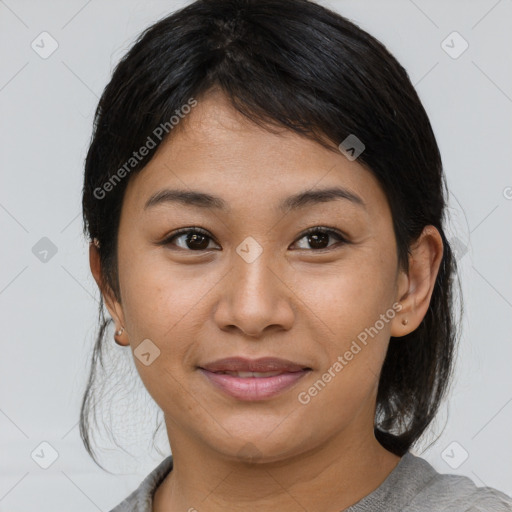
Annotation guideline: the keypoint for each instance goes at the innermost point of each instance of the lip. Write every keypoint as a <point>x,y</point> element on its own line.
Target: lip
<point>253,388</point>
<point>263,364</point>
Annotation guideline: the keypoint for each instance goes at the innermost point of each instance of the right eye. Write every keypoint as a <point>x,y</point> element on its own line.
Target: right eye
<point>192,239</point>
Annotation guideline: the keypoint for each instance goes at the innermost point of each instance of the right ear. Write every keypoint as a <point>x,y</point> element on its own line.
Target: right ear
<point>113,306</point>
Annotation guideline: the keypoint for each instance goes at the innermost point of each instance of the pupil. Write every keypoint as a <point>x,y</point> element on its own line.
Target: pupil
<point>194,237</point>
<point>314,240</point>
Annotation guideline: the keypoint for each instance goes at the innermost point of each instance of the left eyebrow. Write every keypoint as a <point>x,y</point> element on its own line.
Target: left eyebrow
<point>312,197</point>
<point>295,202</point>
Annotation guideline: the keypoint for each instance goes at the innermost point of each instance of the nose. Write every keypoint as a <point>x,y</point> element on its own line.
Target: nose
<point>254,298</point>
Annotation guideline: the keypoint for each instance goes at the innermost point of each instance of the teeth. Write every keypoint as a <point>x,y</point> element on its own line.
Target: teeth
<point>253,374</point>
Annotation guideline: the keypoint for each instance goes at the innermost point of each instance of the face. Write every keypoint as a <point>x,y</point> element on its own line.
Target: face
<point>251,283</point>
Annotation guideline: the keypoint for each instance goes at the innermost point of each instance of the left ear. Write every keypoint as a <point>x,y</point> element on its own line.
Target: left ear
<point>416,286</point>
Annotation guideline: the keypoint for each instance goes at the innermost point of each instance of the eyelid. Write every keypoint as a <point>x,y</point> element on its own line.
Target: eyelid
<point>324,229</point>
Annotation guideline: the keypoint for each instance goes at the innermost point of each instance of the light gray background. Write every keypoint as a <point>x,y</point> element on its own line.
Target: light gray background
<point>49,308</point>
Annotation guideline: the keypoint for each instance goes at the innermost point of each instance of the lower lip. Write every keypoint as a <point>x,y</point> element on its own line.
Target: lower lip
<point>253,388</point>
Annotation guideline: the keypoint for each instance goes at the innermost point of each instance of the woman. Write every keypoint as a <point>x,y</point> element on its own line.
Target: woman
<point>265,199</point>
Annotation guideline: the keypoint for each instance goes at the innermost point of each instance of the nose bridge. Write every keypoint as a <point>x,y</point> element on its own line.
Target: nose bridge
<point>254,297</point>
<point>252,270</point>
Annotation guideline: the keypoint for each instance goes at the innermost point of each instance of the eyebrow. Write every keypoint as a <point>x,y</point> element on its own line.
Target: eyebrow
<point>208,201</point>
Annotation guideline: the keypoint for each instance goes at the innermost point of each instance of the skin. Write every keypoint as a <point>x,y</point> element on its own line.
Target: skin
<point>294,302</point>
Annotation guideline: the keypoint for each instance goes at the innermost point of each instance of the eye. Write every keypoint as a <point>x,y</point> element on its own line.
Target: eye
<point>194,239</point>
<point>318,237</point>
<point>198,239</point>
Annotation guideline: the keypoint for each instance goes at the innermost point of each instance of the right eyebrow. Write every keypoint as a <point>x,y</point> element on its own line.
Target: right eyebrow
<point>187,197</point>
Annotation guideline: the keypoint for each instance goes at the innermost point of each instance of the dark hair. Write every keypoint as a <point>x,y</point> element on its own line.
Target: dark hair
<point>297,65</point>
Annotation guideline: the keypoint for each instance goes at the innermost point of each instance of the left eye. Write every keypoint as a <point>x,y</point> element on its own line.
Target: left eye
<point>319,236</point>
<point>197,239</point>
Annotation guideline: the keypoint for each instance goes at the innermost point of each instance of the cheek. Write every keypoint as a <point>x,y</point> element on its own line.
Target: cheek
<point>159,296</point>
<point>349,301</point>
<point>355,344</point>
<point>167,306</point>
<point>160,307</point>
<point>350,297</point>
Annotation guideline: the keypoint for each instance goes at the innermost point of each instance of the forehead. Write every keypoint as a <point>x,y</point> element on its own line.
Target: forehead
<point>216,149</point>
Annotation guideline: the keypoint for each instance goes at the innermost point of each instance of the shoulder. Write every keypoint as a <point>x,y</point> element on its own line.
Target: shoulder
<point>141,499</point>
<point>453,493</point>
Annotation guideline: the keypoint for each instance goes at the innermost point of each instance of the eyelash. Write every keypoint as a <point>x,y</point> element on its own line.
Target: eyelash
<point>317,229</point>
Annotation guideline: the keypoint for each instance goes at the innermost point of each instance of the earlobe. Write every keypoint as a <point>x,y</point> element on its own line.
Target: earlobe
<point>118,338</point>
<point>416,287</point>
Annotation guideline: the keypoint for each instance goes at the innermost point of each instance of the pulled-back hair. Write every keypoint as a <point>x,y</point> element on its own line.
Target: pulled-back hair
<point>297,65</point>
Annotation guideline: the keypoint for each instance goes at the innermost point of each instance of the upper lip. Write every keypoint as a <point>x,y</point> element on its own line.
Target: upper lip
<point>263,364</point>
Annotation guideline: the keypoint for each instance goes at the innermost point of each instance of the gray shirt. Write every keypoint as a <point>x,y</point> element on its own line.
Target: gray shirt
<point>413,486</point>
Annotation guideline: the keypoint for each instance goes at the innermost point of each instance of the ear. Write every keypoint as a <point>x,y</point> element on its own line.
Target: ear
<point>114,307</point>
<point>415,287</point>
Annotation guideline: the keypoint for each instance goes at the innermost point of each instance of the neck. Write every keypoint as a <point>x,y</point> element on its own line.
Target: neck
<point>330,477</point>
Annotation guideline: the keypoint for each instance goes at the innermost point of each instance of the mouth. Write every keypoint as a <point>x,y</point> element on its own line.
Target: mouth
<point>250,380</point>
